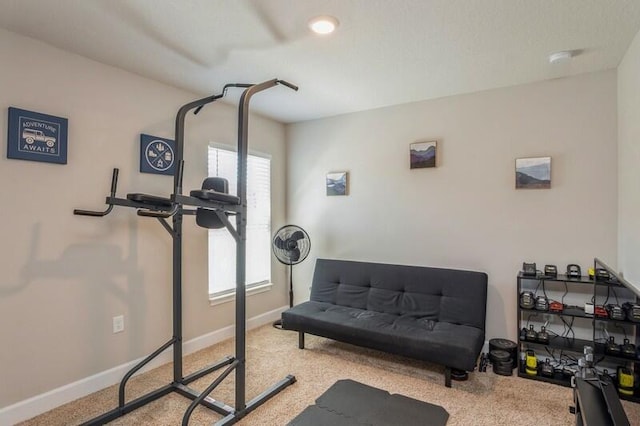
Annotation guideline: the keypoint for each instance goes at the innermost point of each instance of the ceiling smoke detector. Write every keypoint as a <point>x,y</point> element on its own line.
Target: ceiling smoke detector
<point>323,24</point>
<point>561,56</point>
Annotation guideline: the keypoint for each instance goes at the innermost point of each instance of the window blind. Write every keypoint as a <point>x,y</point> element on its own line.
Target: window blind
<point>222,246</point>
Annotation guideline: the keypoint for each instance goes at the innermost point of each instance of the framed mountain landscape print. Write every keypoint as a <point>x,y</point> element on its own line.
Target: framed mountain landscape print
<point>337,183</point>
<point>423,154</point>
<point>533,173</point>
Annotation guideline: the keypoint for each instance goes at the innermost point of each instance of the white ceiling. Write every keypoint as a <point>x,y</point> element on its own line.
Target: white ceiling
<point>384,52</point>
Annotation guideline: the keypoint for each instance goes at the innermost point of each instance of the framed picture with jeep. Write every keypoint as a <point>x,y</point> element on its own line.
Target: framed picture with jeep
<point>36,136</point>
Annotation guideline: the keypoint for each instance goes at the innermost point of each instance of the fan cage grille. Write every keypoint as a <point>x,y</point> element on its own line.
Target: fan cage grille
<point>291,244</point>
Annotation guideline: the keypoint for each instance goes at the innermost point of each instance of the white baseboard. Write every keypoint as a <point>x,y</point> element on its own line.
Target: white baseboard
<point>39,404</point>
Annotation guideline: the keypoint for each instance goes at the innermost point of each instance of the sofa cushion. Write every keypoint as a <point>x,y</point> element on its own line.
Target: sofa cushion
<point>412,335</point>
<point>448,295</point>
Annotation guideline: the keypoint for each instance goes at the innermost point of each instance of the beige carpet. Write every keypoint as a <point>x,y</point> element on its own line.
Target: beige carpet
<point>485,399</point>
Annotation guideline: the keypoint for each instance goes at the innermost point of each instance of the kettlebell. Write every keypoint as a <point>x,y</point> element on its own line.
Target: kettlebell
<point>523,334</point>
<point>532,363</point>
<point>543,336</point>
<point>628,349</point>
<point>527,300</point>
<point>542,304</point>
<point>625,381</point>
<point>531,334</point>
<point>612,348</point>
<point>547,369</point>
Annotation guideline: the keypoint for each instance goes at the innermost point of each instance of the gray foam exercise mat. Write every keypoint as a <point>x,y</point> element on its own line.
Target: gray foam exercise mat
<point>349,403</point>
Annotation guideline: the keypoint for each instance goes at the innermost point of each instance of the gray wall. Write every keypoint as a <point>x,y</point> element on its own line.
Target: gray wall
<point>628,163</point>
<point>466,213</point>
<point>63,276</point>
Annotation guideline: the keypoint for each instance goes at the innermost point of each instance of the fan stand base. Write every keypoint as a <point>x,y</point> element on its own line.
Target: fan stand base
<point>277,324</point>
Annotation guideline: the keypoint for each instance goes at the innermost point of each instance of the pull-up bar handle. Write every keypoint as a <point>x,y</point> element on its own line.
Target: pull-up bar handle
<point>211,99</point>
<point>114,182</point>
<point>114,186</point>
<point>224,92</point>
<point>243,85</point>
<point>289,85</point>
<point>80,212</point>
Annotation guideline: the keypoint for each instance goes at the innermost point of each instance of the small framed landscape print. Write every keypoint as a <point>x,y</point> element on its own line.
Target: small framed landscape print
<point>36,137</point>
<point>337,183</point>
<point>423,154</point>
<point>533,173</point>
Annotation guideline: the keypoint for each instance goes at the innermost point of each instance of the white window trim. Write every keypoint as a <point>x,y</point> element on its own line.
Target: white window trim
<point>231,296</point>
<point>255,288</point>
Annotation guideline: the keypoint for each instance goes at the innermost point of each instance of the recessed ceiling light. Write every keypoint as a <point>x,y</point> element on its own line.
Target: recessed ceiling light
<point>323,24</point>
<point>561,56</point>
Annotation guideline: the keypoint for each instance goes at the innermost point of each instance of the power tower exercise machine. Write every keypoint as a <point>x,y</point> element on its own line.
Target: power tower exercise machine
<point>216,205</point>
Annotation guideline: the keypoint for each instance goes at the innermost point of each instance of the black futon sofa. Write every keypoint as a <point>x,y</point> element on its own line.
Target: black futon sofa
<point>430,314</point>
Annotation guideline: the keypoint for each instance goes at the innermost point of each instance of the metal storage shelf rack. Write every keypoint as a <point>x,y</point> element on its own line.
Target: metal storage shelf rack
<point>573,345</point>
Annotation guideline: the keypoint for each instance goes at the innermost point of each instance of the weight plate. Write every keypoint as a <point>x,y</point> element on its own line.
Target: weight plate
<point>499,355</point>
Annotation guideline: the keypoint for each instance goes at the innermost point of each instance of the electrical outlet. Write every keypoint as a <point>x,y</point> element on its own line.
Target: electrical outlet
<point>118,324</point>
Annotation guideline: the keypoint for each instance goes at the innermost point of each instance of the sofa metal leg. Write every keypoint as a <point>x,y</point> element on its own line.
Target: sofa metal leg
<point>447,377</point>
<point>300,340</point>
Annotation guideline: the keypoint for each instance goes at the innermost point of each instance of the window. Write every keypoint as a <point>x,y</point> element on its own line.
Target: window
<point>222,246</point>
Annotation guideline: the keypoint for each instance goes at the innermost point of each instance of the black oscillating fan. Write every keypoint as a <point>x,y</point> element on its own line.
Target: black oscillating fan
<point>291,245</point>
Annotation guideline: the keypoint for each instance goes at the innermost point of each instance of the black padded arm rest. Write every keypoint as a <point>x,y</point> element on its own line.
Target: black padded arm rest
<point>211,195</point>
<point>152,200</point>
